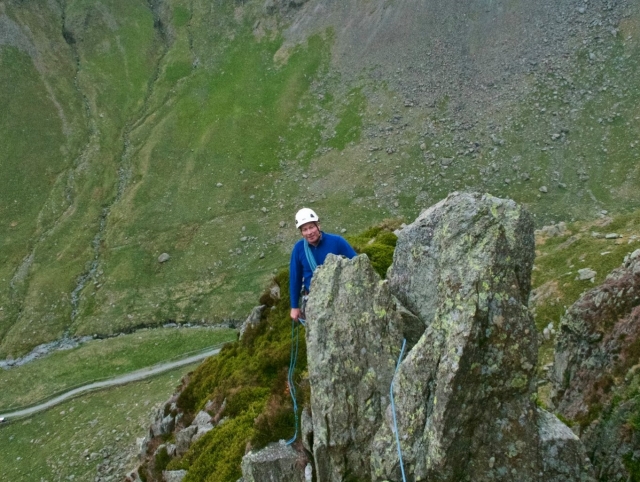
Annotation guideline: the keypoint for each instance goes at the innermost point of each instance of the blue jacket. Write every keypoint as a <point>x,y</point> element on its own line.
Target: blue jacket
<point>299,268</point>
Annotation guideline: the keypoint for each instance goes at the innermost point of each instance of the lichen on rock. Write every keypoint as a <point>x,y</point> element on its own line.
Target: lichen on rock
<point>464,392</point>
<point>354,335</point>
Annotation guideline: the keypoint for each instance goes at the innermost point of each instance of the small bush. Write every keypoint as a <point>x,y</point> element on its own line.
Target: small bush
<point>381,256</point>
<point>378,243</point>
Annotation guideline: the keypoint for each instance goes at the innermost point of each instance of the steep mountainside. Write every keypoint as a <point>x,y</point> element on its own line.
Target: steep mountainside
<point>195,129</point>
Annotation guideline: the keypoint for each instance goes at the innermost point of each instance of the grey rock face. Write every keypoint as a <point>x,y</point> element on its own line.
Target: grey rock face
<point>174,475</point>
<point>183,439</point>
<point>353,339</point>
<point>201,419</point>
<point>449,236</point>
<point>563,455</point>
<point>162,425</point>
<point>463,393</point>
<point>274,463</point>
<point>306,429</point>
<point>253,319</point>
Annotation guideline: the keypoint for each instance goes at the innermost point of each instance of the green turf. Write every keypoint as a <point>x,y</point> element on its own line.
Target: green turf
<point>204,141</point>
<point>349,127</point>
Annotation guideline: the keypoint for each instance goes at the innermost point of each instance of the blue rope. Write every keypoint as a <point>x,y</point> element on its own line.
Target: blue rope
<point>292,368</point>
<point>310,257</point>
<point>393,409</point>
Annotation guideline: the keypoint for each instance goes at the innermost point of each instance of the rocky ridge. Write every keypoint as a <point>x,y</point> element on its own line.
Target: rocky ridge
<point>464,392</point>
<point>595,371</point>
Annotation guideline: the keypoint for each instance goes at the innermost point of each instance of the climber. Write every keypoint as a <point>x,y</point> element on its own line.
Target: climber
<point>308,253</point>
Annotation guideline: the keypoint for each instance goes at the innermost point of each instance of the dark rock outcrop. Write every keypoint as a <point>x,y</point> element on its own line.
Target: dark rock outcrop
<point>594,372</point>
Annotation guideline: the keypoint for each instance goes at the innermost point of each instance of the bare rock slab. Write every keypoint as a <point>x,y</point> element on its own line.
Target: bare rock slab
<point>253,319</point>
<point>354,336</point>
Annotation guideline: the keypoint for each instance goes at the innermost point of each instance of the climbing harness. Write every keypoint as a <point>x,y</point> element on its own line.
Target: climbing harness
<point>303,309</point>
<point>393,410</point>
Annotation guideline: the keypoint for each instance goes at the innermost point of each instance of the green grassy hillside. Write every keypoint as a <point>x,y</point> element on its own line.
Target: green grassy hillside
<point>135,128</point>
<point>584,244</point>
<point>85,438</point>
<point>96,360</point>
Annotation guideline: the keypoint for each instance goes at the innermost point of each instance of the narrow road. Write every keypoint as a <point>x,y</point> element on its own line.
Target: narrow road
<point>112,382</point>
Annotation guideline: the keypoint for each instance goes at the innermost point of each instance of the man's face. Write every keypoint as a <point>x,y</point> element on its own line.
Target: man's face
<point>310,232</point>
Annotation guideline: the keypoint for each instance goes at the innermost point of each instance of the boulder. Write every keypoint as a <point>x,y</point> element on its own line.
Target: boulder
<point>276,462</point>
<point>183,439</point>
<point>353,340</point>
<point>586,274</point>
<point>162,425</point>
<point>173,475</point>
<point>133,476</point>
<point>202,419</point>
<point>253,319</point>
<point>553,230</point>
<point>202,430</point>
<point>563,455</point>
<point>171,449</point>
<point>463,394</point>
<point>142,444</point>
<point>596,348</point>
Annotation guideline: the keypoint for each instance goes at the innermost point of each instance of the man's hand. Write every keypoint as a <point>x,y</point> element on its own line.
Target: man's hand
<point>295,313</point>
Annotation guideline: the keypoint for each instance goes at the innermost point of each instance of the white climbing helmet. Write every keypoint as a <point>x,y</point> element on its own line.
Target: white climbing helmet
<point>306,215</point>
